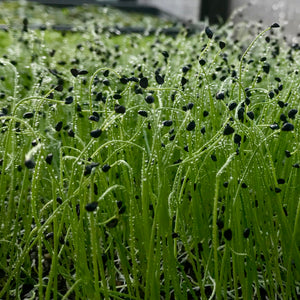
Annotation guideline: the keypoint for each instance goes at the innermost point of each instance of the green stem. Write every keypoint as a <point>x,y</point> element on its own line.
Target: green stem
<point>215,227</point>
<point>243,56</point>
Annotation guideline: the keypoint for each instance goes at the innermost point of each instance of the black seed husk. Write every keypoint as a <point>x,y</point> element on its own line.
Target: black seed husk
<point>106,82</point>
<point>232,105</point>
<point>190,106</point>
<point>287,127</point>
<point>34,143</point>
<point>222,45</point>
<point>117,96</point>
<point>59,88</point>
<point>105,168</point>
<point>96,133</point>
<point>28,115</point>
<point>183,81</point>
<point>82,72</point>
<point>266,68</point>
<point>250,114</point>
<point>247,101</point>
<point>88,168</point>
<point>271,95</point>
<point>99,96</point>
<point>95,189</point>
<point>228,234</point>
<point>228,130</point>
<point>191,126</point>
<point>277,190</point>
<point>259,79</point>
<point>167,123</point>
<point>185,69</point>
<point>165,54</point>
<point>144,82</point>
<point>246,233</point>
<point>237,139</point>
<point>58,126</point>
<point>209,32</point>
<point>175,235</point>
<point>220,96</point>
<point>274,126</point>
<point>143,113</point>
<point>149,99</point>
<point>122,210</point>
<point>213,157</point>
<point>275,25</point>
<point>172,137</point>
<point>91,206</point>
<point>94,118</point>
<point>220,224</point>
<point>240,113</point>
<point>69,100</point>
<point>287,153</point>
<point>120,109</point>
<point>124,80</point>
<point>280,181</point>
<point>292,113</point>
<point>74,72</point>
<point>159,79</point>
<point>49,158</point>
<point>202,62</point>
<point>112,223</point>
<point>29,163</point>
<point>133,79</point>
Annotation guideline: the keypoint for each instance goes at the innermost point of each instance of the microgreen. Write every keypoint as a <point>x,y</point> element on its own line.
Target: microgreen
<point>145,166</point>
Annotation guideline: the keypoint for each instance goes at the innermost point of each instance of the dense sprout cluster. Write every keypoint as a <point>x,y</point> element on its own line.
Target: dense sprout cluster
<point>147,167</point>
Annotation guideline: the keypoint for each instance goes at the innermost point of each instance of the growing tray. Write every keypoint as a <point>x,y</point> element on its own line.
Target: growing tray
<point>132,6</point>
<point>129,6</point>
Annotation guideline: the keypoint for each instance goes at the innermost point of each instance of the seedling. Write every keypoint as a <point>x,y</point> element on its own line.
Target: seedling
<point>140,166</point>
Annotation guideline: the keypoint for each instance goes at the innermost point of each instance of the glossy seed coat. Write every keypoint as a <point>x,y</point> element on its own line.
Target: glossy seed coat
<point>49,158</point>
<point>106,168</point>
<point>228,234</point>
<point>143,113</point>
<point>91,206</point>
<point>191,126</point>
<point>96,133</point>
<point>167,123</point>
<point>144,82</point>
<point>28,115</point>
<point>149,99</point>
<point>228,130</point>
<point>209,32</point>
<point>287,127</point>
<point>29,164</point>
<point>120,109</point>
